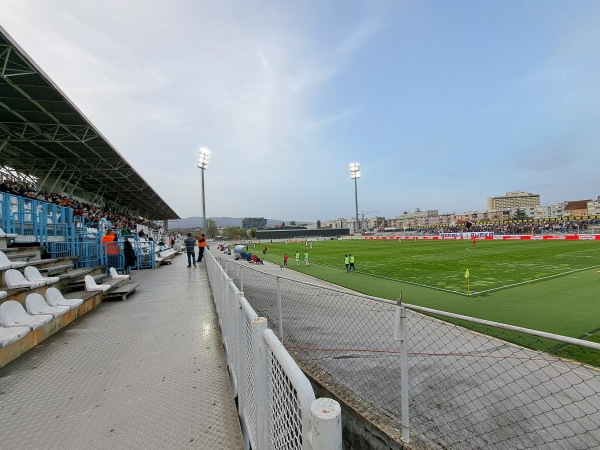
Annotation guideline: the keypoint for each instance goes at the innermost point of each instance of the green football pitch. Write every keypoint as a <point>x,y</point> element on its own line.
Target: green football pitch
<point>550,286</point>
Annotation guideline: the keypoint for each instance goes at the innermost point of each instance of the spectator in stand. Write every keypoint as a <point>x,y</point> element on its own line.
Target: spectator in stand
<point>104,221</point>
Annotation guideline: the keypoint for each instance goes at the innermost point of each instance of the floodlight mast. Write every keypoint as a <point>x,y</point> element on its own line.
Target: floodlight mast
<point>355,174</point>
<point>202,165</point>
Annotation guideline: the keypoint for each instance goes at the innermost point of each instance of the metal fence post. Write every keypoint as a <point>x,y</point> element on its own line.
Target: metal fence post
<point>239,325</point>
<point>400,326</point>
<point>260,382</point>
<point>326,424</point>
<point>279,308</point>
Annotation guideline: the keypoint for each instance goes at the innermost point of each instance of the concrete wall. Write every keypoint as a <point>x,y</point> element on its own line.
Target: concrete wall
<point>363,428</point>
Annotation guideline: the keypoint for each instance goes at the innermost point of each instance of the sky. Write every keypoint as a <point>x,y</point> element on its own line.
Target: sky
<point>442,104</point>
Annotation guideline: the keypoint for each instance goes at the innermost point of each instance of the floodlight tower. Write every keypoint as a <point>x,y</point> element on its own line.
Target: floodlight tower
<point>202,165</point>
<point>355,174</point>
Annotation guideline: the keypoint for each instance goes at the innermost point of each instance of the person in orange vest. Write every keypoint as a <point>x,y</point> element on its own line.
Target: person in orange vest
<point>201,246</point>
<point>111,248</point>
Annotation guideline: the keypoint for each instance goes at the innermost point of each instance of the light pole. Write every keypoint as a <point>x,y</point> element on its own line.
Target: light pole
<point>355,174</point>
<point>202,165</point>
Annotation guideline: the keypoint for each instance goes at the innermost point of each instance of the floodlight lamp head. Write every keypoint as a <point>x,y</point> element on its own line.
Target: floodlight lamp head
<point>354,170</point>
<point>203,158</point>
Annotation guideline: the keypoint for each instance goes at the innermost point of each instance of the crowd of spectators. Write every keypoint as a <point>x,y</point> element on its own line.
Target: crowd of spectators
<point>513,228</point>
<point>541,227</point>
<point>87,214</point>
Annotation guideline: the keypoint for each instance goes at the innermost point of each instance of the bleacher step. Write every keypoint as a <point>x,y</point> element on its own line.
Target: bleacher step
<point>122,291</point>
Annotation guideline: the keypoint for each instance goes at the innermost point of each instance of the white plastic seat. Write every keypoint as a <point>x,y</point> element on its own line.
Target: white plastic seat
<point>115,275</point>
<point>32,274</point>
<point>15,279</point>
<point>6,263</point>
<point>6,235</point>
<point>91,285</point>
<point>167,252</point>
<point>12,314</point>
<point>35,304</point>
<point>55,298</point>
<point>3,294</point>
<point>12,334</point>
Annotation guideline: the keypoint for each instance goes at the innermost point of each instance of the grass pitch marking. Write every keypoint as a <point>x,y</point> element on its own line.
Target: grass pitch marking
<point>476,293</point>
<point>534,280</point>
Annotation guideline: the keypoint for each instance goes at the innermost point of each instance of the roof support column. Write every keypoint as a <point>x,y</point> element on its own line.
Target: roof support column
<point>47,175</point>
<point>97,194</point>
<point>56,182</point>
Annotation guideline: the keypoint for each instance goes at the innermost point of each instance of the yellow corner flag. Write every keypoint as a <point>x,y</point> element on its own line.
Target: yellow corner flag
<point>467,275</point>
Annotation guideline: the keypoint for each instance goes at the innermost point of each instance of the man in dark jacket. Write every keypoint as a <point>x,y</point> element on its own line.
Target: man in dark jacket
<point>190,246</point>
<point>129,254</point>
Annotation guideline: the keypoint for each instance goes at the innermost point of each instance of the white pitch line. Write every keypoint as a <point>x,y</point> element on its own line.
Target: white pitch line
<point>578,251</point>
<point>531,281</point>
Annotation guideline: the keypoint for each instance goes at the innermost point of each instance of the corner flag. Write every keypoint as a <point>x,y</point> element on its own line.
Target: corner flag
<point>467,275</point>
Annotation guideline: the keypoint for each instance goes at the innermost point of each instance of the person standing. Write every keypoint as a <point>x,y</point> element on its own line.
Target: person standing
<point>347,263</point>
<point>285,260</point>
<point>306,259</point>
<point>129,253</point>
<point>352,263</point>
<point>190,246</point>
<point>297,258</point>
<point>201,246</point>
<point>111,248</point>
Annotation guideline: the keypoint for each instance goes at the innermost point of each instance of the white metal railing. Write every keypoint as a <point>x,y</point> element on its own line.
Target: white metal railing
<point>276,402</point>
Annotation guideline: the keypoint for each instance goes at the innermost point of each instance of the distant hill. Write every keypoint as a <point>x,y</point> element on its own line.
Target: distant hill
<point>226,222</point>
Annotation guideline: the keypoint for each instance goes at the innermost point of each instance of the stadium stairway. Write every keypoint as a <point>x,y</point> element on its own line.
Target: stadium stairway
<point>149,372</point>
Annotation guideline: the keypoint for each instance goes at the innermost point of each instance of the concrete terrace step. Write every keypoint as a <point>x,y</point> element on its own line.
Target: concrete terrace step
<point>123,291</point>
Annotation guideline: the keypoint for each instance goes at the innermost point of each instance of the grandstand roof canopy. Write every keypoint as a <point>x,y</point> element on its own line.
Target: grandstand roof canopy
<point>43,134</point>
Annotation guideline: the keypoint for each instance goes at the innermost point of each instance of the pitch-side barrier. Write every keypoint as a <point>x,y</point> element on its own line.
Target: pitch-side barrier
<point>276,402</point>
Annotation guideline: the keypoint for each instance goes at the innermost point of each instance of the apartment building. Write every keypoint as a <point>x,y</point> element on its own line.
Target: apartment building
<point>513,200</point>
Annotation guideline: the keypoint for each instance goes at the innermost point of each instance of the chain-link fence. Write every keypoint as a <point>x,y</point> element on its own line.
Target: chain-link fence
<point>473,384</point>
<point>276,401</point>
